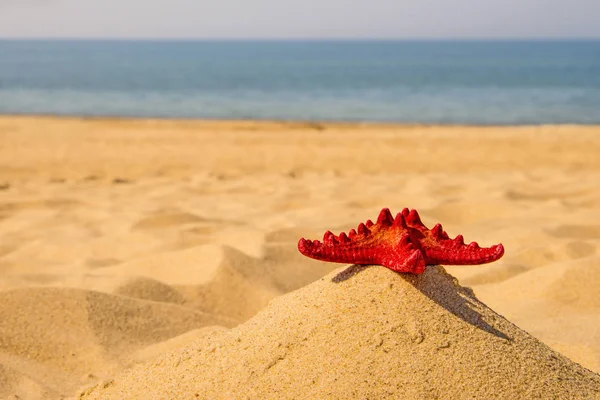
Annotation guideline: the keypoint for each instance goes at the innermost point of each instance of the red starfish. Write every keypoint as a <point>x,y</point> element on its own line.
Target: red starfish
<point>402,244</point>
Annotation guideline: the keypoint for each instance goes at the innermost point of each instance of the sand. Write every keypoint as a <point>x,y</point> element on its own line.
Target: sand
<point>364,333</point>
<point>157,259</point>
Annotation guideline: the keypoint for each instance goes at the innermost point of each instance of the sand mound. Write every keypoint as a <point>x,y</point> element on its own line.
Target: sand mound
<point>242,285</point>
<point>51,335</point>
<point>25,383</point>
<point>557,303</point>
<point>149,289</point>
<point>364,332</point>
<point>578,284</point>
<point>238,289</point>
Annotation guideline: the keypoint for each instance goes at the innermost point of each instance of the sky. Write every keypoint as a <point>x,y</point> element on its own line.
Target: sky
<point>283,19</point>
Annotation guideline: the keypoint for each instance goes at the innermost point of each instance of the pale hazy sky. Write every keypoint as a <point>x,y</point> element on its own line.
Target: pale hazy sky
<point>300,18</point>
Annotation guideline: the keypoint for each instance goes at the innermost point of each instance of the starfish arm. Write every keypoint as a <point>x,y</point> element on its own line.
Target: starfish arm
<point>346,254</point>
<point>449,254</point>
<point>401,259</point>
<point>386,243</point>
<point>438,248</point>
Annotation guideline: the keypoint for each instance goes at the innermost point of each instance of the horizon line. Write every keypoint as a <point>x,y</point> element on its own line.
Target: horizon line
<point>302,39</point>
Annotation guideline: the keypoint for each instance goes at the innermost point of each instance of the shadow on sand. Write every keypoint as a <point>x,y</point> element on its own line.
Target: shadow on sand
<point>444,290</point>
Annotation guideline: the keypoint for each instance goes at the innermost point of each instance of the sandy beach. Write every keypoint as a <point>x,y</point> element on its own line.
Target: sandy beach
<point>158,259</point>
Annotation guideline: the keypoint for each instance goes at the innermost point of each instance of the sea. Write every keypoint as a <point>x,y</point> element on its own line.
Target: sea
<point>473,82</point>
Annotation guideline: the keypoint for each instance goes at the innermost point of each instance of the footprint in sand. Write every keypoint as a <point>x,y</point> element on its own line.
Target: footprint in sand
<point>121,181</point>
<point>542,196</point>
<point>165,220</point>
<point>101,262</point>
<point>576,231</point>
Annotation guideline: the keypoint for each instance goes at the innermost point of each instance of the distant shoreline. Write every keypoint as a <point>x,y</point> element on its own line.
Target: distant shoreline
<point>315,124</point>
<point>300,40</point>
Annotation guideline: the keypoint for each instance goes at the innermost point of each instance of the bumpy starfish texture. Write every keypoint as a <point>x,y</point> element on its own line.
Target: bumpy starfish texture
<point>403,244</point>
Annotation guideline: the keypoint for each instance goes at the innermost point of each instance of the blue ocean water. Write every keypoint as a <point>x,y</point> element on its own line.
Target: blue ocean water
<point>456,82</point>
